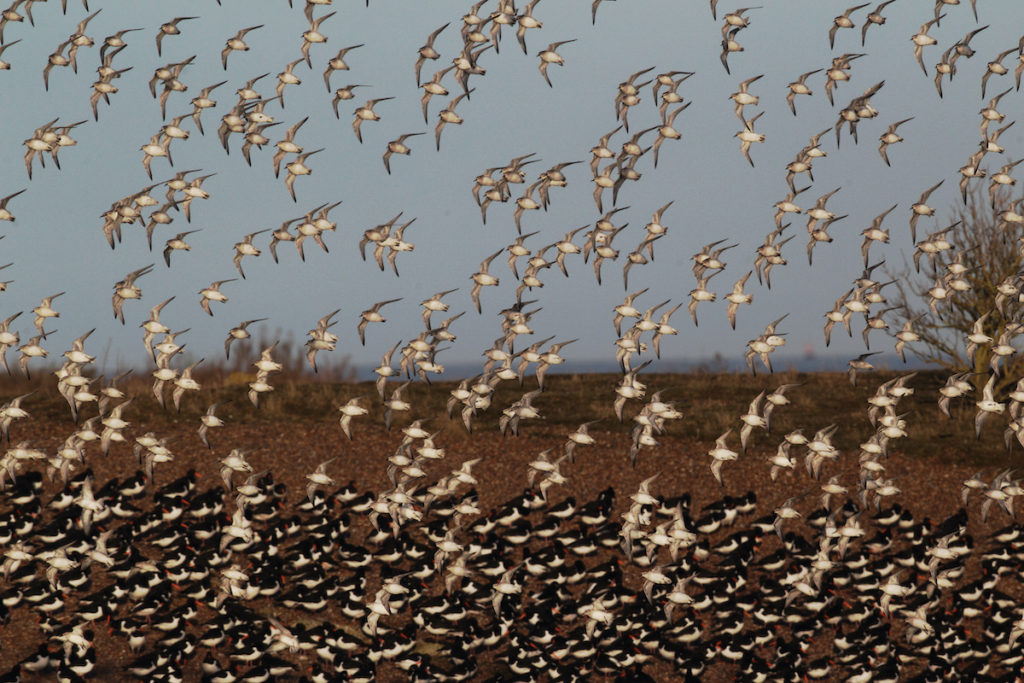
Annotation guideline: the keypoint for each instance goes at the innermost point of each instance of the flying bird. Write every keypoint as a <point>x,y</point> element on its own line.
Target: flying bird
<point>298,168</point>
<point>398,146</point>
<point>921,39</point>
<point>426,52</point>
<point>366,113</point>
<point>747,137</point>
<point>372,315</point>
<point>548,56</point>
<point>338,63</point>
<point>842,21</point>
<point>874,18</point>
<point>209,420</point>
<point>799,87</point>
<point>483,279</point>
<point>127,289</point>
<point>213,293</point>
<point>236,43</point>
<point>169,29</point>
<point>889,137</point>
<point>6,215</point>
<point>313,36</point>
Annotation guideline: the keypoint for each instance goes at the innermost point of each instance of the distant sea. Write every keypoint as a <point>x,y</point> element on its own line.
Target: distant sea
<point>780,363</point>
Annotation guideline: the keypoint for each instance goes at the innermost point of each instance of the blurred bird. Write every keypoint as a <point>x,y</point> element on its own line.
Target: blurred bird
<point>548,56</point>
<point>209,420</point>
<point>398,146</point>
<point>366,113</point>
<point>127,289</point>
<point>298,168</point>
<point>426,52</point>
<point>372,315</point>
<point>212,293</point>
<point>313,36</point>
<point>236,43</point>
<point>169,29</point>
<point>239,332</point>
<point>889,137</point>
<point>338,63</point>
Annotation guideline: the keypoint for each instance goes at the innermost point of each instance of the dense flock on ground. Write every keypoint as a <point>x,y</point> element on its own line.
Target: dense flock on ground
<point>140,540</point>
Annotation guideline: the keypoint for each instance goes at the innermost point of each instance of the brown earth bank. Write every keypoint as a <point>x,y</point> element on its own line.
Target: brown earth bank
<point>825,592</point>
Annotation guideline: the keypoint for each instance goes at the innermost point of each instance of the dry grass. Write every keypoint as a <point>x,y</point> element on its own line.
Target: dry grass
<point>711,404</point>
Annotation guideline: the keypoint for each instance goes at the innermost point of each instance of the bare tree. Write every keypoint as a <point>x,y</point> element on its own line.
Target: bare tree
<point>967,282</point>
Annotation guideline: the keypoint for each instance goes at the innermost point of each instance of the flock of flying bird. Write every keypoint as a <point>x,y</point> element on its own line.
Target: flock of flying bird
<point>437,533</point>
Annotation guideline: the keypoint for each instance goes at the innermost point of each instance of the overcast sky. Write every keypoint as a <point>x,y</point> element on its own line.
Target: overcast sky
<point>56,243</point>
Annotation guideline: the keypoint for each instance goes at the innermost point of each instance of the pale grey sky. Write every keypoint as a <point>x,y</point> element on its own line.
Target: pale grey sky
<point>56,242</point>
